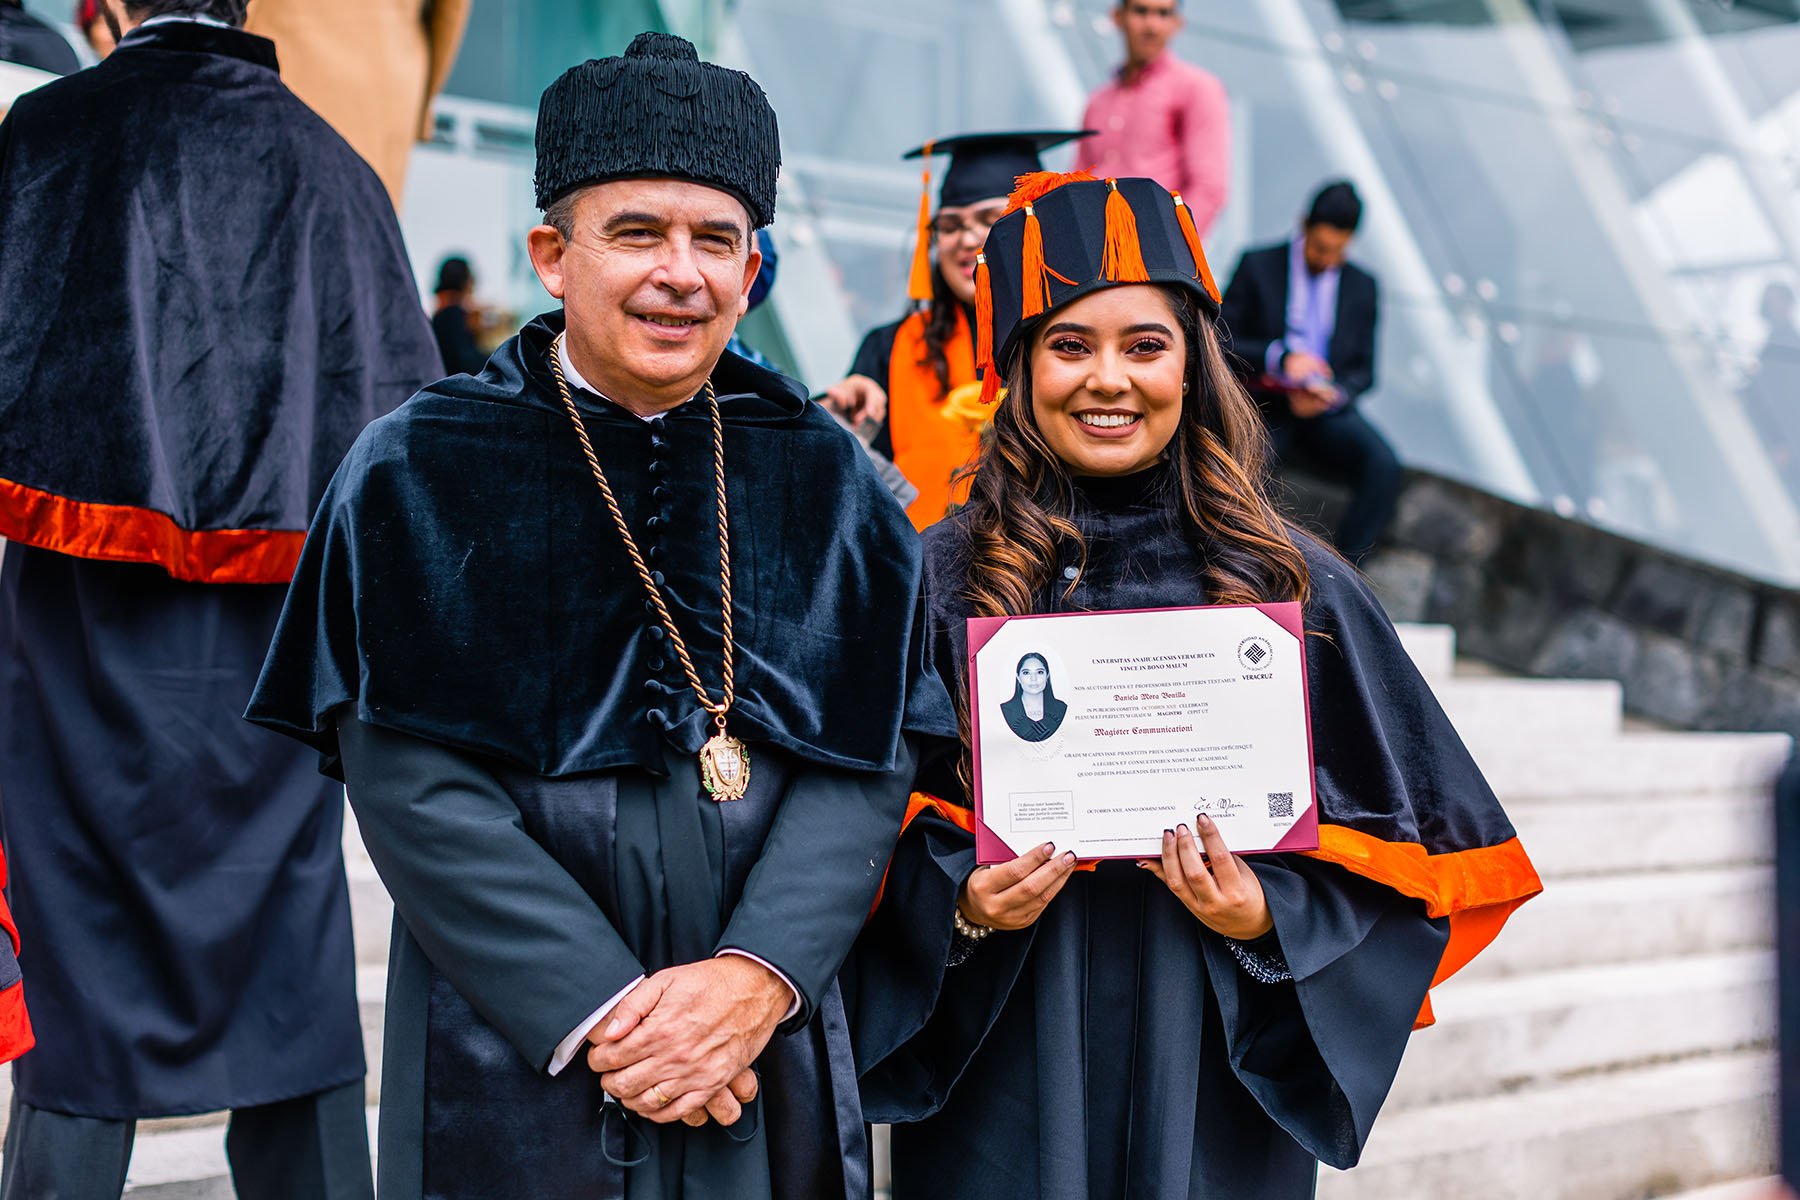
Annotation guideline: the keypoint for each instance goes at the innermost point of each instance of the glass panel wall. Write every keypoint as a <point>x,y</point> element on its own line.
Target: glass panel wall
<point>1583,213</point>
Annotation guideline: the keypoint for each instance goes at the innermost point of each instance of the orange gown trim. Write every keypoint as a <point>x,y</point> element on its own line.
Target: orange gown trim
<point>1477,889</point>
<point>15,1023</point>
<point>124,533</point>
<point>928,446</point>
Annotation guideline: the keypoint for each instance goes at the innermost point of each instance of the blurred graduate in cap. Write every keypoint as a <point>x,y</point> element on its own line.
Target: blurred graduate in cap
<point>907,374</point>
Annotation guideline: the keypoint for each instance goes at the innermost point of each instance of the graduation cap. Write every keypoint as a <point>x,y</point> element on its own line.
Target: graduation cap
<point>1064,236</point>
<point>982,166</point>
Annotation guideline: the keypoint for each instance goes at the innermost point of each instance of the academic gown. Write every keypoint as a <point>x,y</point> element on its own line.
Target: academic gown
<point>166,429</point>
<point>522,761</point>
<point>1118,1047</point>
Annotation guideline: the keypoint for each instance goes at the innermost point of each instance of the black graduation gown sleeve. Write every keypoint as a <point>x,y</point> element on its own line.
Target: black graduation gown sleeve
<point>805,931</point>
<point>872,359</point>
<point>1318,1052</point>
<point>512,930</point>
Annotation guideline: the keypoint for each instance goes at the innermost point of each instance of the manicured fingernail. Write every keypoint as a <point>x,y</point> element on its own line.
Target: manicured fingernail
<point>1203,820</point>
<point>1049,849</point>
<point>1168,833</point>
<point>1069,857</point>
<point>1184,831</point>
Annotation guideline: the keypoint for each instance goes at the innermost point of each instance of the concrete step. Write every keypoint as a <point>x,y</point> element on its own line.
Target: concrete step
<point>186,1164</point>
<point>1585,835</point>
<point>1651,1131</point>
<point>371,913</point>
<point>1632,764</point>
<point>1496,709</point>
<point>1764,1187</point>
<point>371,1003</point>
<point>1625,918</point>
<point>1534,1030</point>
<point>1432,647</point>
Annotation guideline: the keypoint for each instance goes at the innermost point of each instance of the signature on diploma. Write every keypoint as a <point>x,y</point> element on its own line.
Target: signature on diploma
<point>1224,806</point>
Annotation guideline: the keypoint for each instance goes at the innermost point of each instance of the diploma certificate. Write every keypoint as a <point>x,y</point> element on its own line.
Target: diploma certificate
<point>1097,731</point>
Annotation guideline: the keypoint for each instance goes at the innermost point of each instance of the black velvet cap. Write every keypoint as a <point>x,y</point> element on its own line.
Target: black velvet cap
<point>1073,221</point>
<point>657,111</point>
<point>984,165</point>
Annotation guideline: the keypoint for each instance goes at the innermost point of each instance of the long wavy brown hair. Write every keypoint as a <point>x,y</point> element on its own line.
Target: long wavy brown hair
<point>940,326</point>
<point>1022,497</point>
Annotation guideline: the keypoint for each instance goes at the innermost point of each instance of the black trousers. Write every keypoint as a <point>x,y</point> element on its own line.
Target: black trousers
<point>310,1148</point>
<point>1343,448</point>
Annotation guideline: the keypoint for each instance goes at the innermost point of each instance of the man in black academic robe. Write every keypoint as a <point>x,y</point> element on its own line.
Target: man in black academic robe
<point>207,299</point>
<point>605,982</point>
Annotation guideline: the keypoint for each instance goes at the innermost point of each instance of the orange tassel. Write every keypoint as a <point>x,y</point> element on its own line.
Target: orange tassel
<point>1028,189</point>
<point>1201,270</point>
<point>1122,261</point>
<point>919,285</point>
<point>1036,287</point>
<point>984,333</point>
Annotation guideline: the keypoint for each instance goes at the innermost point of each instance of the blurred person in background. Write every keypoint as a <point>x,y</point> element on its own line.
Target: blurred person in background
<point>1300,320</point>
<point>370,67</point>
<point>1160,117</point>
<point>92,23</point>
<point>1771,394</point>
<point>906,374</point>
<point>29,42</point>
<point>759,292</point>
<point>453,322</point>
<point>245,305</point>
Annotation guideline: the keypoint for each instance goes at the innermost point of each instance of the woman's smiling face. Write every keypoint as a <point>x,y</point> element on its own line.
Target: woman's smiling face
<point>1106,379</point>
<point>1033,676</point>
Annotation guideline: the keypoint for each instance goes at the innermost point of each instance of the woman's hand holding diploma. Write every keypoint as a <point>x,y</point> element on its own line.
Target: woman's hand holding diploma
<point>1226,896</point>
<point>1013,895</point>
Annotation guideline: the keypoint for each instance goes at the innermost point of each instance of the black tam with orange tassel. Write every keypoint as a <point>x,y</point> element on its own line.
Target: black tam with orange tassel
<point>1067,235</point>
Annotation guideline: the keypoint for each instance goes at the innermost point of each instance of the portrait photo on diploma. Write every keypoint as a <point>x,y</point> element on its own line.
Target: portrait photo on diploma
<point>1098,730</point>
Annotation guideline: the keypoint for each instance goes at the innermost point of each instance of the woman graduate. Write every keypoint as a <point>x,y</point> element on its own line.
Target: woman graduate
<point>1158,1028</point>
<point>917,364</point>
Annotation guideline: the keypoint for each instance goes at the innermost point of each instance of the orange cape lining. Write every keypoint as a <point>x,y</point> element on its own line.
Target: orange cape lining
<point>15,1023</point>
<point>125,533</point>
<point>928,448</point>
<point>1477,889</point>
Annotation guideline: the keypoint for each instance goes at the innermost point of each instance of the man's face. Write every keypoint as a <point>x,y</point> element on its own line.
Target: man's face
<point>1325,247</point>
<point>960,234</point>
<point>1147,25</point>
<point>653,278</point>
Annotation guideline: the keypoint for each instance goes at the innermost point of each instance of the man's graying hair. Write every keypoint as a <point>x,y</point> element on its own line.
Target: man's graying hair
<point>560,216</point>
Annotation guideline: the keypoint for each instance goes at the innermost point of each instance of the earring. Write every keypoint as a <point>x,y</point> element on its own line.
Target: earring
<point>1184,385</point>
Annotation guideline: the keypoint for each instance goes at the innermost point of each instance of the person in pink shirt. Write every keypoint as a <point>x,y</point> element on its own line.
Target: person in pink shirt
<point>1161,117</point>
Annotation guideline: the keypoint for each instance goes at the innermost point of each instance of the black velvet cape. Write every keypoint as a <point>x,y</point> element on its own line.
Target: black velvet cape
<point>1116,1047</point>
<point>473,501</point>
<point>207,298</point>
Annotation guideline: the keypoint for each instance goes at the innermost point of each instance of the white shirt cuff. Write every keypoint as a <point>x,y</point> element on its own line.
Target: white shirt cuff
<point>794,1004</point>
<point>571,1045</point>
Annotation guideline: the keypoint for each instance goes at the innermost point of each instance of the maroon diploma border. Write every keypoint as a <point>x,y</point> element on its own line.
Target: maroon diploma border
<point>1302,835</point>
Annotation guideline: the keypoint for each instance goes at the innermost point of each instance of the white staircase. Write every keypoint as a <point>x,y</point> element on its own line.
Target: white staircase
<point>1616,1041</point>
<point>1613,1044</point>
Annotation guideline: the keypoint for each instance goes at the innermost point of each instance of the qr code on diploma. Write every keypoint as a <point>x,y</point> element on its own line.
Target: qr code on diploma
<point>1281,804</point>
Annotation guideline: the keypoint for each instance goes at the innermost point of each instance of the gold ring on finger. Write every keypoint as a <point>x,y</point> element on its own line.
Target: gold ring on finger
<point>662,1101</point>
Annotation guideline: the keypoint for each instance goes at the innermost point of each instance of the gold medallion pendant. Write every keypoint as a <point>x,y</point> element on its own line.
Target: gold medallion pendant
<point>725,766</point>
<point>724,760</point>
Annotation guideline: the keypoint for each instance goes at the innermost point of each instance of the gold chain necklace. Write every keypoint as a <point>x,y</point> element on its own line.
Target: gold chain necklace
<point>724,760</point>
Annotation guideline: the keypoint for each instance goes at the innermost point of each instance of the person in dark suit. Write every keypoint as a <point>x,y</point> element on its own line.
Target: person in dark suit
<point>450,323</point>
<point>29,42</point>
<point>1300,321</point>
